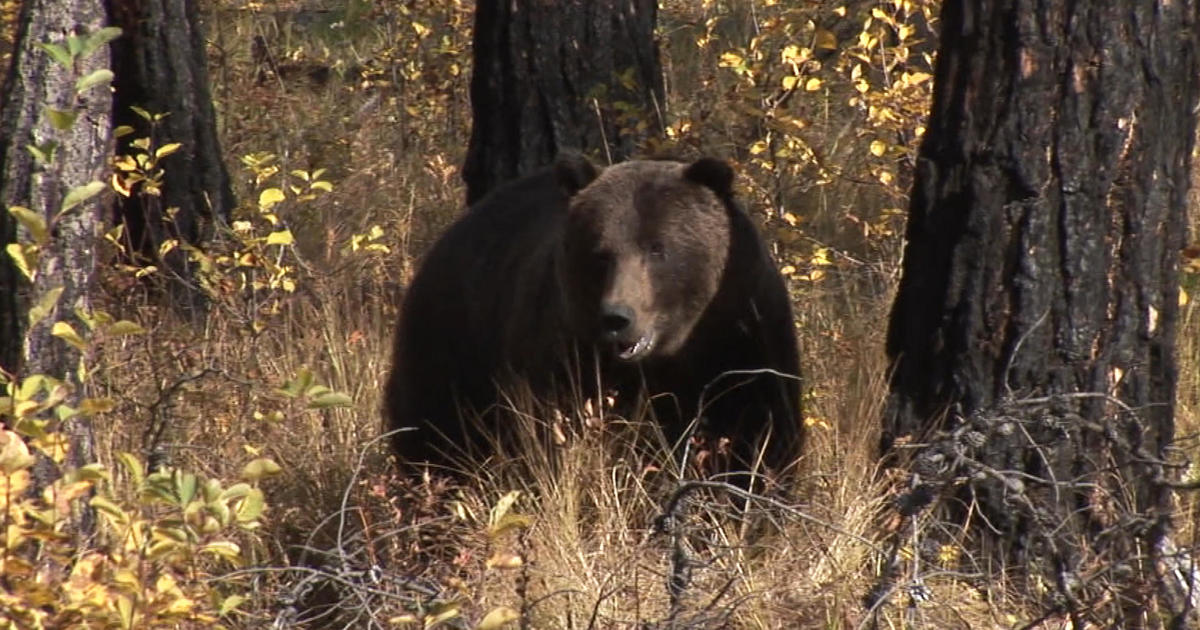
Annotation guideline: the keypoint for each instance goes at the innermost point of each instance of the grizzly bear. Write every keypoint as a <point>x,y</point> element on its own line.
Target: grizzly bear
<point>645,279</point>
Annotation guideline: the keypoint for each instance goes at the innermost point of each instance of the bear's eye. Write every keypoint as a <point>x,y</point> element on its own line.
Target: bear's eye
<point>658,251</point>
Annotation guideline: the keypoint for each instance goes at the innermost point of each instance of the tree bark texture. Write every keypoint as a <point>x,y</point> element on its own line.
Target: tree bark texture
<point>579,74</point>
<point>161,67</point>
<point>1032,336</point>
<point>67,261</point>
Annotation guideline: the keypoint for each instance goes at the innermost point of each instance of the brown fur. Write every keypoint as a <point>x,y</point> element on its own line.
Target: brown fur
<point>648,271</point>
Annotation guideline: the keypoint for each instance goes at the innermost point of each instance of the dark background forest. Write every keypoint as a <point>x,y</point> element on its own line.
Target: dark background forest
<point>239,479</point>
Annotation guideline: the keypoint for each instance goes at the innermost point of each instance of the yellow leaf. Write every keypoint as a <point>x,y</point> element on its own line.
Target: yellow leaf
<point>503,505</point>
<point>826,39</point>
<point>260,468</point>
<point>122,187</point>
<point>1183,297</point>
<point>26,408</point>
<point>794,55</point>
<point>812,85</point>
<point>223,548</point>
<point>915,78</point>
<point>730,60</point>
<point>498,618</point>
<point>878,148</point>
<point>167,149</point>
<point>789,82</point>
<point>282,237</point>
<point>92,406</point>
<point>25,258</point>
<point>14,454</point>
<point>269,197</point>
<point>504,560</point>
<point>64,331</point>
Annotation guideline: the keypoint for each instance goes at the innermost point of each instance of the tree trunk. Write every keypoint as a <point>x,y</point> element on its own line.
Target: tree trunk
<point>1032,337</point>
<point>161,67</point>
<point>74,155</point>
<point>584,75</point>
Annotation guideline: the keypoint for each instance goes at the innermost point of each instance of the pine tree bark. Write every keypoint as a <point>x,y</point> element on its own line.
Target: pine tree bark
<point>36,84</point>
<point>583,74</point>
<point>1032,337</point>
<point>161,67</point>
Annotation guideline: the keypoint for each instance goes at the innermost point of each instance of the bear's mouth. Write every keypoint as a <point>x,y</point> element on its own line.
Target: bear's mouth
<point>637,349</point>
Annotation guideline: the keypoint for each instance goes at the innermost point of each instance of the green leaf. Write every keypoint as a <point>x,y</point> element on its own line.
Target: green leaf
<point>101,37</point>
<point>24,258</point>
<point>91,472</point>
<point>234,492</point>
<point>330,399</point>
<point>74,45</point>
<point>99,77</point>
<point>92,319</point>
<point>294,387</point>
<point>122,131</point>
<point>252,507</point>
<point>64,331</point>
<point>185,487</point>
<point>44,154</point>
<point>58,54</point>
<point>141,112</point>
<point>260,468</point>
<point>80,194</point>
<point>109,509</point>
<point>61,119</point>
<point>32,221</point>
<point>45,305</point>
<point>125,327</point>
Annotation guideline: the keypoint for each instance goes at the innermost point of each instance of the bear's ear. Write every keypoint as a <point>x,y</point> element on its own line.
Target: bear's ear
<point>713,173</point>
<point>573,171</point>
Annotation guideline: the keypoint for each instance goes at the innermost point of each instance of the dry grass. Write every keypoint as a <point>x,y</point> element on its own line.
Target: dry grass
<point>595,552</point>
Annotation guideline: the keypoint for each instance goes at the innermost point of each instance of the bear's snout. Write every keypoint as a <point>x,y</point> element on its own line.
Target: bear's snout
<point>615,319</point>
<point>618,324</point>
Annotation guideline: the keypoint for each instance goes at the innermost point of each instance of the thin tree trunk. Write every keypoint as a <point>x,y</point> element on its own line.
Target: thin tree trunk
<point>161,67</point>
<point>583,74</point>
<point>75,156</point>
<point>1033,334</point>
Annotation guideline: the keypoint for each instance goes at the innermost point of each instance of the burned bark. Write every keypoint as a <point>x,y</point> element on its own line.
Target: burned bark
<point>1032,337</point>
<point>584,76</point>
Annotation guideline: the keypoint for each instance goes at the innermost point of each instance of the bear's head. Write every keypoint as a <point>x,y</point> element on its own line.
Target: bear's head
<point>644,251</point>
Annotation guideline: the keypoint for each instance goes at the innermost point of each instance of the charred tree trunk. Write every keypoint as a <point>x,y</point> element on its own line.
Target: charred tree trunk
<point>1032,337</point>
<point>160,67</point>
<point>584,74</point>
<point>69,128</point>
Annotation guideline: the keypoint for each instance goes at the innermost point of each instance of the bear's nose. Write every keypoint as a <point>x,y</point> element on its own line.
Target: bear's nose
<point>615,319</point>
